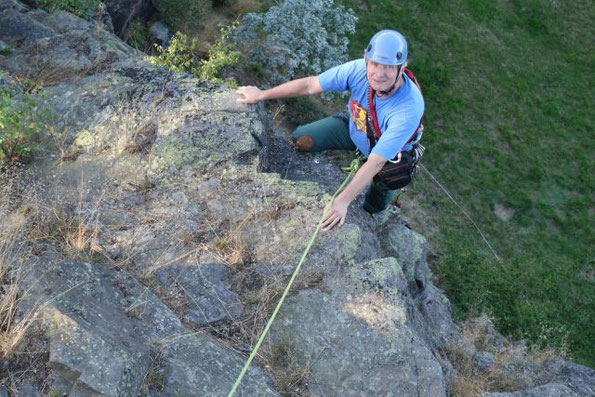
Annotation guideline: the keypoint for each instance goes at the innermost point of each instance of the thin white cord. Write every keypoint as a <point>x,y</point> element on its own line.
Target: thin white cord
<point>462,210</point>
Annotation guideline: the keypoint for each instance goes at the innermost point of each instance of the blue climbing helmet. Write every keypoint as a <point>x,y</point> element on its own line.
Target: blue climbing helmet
<point>387,47</point>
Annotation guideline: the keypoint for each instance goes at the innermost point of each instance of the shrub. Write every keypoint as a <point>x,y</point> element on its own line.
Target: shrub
<point>182,56</point>
<point>18,124</point>
<point>221,54</point>
<point>181,15</point>
<point>296,38</point>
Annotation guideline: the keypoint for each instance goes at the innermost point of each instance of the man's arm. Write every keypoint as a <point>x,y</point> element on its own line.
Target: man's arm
<point>362,178</point>
<point>294,88</point>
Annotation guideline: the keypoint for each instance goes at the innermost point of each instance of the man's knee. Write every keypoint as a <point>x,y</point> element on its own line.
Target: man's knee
<point>305,143</point>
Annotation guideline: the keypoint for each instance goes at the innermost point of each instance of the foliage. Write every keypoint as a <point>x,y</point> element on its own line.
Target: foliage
<point>182,15</point>
<point>182,56</point>
<point>81,8</point>
<point>509,125</point>
<point>221,55</point>
<point>296,38</point>
<point>18,124</point>
<point>137,35</point>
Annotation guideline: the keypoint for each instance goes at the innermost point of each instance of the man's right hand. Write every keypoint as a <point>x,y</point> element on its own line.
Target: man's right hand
<point>248,94</point>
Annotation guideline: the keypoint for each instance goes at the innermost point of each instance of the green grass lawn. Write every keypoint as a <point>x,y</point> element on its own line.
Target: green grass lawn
<point>509,104</point>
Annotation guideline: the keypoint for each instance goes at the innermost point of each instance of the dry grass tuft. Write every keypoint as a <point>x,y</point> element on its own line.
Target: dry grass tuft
<point>230,248</point>
<point>154,378</point>
<point>515,365</point>
<point>14,324</point>
<point>290,377</point>
<point>66,229</point>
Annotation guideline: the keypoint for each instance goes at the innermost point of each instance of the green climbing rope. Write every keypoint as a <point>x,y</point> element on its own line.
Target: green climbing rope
<point>352,170</point>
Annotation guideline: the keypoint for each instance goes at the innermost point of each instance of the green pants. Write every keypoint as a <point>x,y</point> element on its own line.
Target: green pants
<point>333,133</point>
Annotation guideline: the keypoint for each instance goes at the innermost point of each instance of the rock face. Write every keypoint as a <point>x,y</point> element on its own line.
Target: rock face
<point>357,336</point>
<point>153,241</point>
<point>55,47</point>
<point>105,328</point>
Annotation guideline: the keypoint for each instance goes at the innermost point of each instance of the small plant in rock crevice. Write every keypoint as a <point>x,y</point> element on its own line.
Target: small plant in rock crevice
<point>19,125</point>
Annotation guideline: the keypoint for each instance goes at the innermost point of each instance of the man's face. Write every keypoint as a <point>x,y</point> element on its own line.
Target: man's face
<point>381,77</point>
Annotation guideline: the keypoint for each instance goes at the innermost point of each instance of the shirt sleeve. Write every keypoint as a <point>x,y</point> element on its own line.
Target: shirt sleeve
<point>337,79</point>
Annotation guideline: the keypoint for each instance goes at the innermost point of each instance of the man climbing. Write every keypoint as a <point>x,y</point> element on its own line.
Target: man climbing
<point>383,121</point>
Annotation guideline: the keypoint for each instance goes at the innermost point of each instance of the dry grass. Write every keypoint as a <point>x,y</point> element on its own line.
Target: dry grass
<point>66,229</point>
<point>154,378</point>
<point>13,324</point>
<point>290,376</point>
<point>230,247</point>
<point>515,365</point>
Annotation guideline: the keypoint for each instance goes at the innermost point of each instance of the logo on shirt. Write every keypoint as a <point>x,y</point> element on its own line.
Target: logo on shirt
<point>359,116</point>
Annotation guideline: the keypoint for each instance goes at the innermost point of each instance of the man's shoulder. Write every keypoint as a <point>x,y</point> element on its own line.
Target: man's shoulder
<point>350,66</point>
<point>342,77</point>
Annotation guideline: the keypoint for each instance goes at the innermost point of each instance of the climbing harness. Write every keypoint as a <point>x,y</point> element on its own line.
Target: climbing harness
<point>398,172</point>
<point>352,170</point>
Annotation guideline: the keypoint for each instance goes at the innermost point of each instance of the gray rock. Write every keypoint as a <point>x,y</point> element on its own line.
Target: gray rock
<point>26,389</point>
<point>103,327</point>
<point>16,27</point>
<point>193,369</point>
<point>209,298</point>
<point>484,361</point>
<point>12,5</point>
<point>58,46</point>
<point>357,339</point>
<point>61,21</point>
<point>548,390</point>
<point>408,247</point>
<point>3,391</point>
<point>160,34</point>
<point>578,378</point>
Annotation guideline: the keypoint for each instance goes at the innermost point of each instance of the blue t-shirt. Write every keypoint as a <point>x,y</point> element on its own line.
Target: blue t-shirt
<point>398,115</point>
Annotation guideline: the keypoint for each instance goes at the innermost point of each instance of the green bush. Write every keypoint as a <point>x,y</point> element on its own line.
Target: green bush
<point>182,56</point>
<point>296,38</point>
<point>18,125</point>
<point>221,55</point>
<point>182,15</point>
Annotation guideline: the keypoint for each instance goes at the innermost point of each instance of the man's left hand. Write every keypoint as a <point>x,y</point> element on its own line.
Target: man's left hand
<point>336,214</point>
